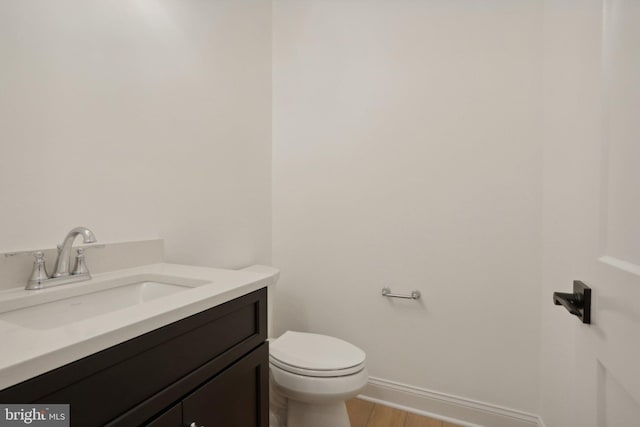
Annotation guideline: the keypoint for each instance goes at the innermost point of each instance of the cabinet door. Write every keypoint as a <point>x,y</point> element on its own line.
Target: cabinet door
<point>237,397</point>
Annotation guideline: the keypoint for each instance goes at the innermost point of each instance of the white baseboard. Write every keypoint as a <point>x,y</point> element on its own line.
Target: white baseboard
<point>457,410</point>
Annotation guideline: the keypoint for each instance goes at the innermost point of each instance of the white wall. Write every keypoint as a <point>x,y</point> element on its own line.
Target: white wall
<point>407,153</point>
<point>138,119</point>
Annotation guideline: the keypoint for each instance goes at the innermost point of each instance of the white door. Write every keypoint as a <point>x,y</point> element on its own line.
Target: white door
<point>607,368</point>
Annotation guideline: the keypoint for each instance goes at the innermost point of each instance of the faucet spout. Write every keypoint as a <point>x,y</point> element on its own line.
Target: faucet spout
<point>64,251</point>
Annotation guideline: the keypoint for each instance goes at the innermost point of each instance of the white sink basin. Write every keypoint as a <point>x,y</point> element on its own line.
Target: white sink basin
<point>84,302</point>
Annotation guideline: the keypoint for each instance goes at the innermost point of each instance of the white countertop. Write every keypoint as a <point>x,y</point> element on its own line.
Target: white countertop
<point>27,352</point>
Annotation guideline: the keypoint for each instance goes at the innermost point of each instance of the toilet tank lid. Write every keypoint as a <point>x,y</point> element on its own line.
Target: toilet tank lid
<point>315,352</point>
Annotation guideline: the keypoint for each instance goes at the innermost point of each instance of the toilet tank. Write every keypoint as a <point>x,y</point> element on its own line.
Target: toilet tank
<point>274,274</point>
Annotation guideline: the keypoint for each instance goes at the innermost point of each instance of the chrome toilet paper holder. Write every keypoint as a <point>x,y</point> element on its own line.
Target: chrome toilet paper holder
<point>415,294</point>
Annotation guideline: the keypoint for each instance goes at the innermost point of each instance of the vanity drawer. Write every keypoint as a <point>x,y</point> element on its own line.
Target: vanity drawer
<point>105,385</point>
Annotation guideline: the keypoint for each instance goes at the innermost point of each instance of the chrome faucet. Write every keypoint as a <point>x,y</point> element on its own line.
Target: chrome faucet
<point>64,250</point>
<point>40,279</point>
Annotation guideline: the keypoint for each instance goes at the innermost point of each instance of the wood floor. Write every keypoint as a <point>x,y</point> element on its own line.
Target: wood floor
<point>367,414</point>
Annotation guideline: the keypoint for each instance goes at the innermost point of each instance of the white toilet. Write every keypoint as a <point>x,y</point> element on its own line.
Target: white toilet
<point>311,375</point>
<point>316,374</point>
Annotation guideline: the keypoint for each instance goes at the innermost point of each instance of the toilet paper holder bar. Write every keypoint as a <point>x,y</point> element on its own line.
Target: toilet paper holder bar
<point>415,294</point>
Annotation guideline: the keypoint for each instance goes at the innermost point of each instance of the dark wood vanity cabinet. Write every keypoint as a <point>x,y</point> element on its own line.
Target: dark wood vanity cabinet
<point>210,369</point>
<point>232,398</point>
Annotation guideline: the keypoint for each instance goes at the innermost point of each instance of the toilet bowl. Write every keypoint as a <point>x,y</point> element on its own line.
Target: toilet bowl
<point>310,375</point>
<point>316,374</point>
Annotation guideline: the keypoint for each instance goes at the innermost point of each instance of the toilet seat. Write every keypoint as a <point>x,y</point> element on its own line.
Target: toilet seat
<point>315,355</point>
<point>316,373</point>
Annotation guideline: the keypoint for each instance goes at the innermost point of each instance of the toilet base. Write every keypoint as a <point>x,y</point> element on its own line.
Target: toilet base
<point>302,414</point>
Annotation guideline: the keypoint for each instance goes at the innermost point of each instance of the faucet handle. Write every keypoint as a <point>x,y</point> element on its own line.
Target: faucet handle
<point>81,265</point>
<point>39,272</point>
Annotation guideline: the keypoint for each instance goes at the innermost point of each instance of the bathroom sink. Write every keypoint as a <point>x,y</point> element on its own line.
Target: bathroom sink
<point>71,307</point>
<point>48,328</point>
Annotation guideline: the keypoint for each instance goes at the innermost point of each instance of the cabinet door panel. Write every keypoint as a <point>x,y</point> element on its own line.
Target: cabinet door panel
<point>238,397</point>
